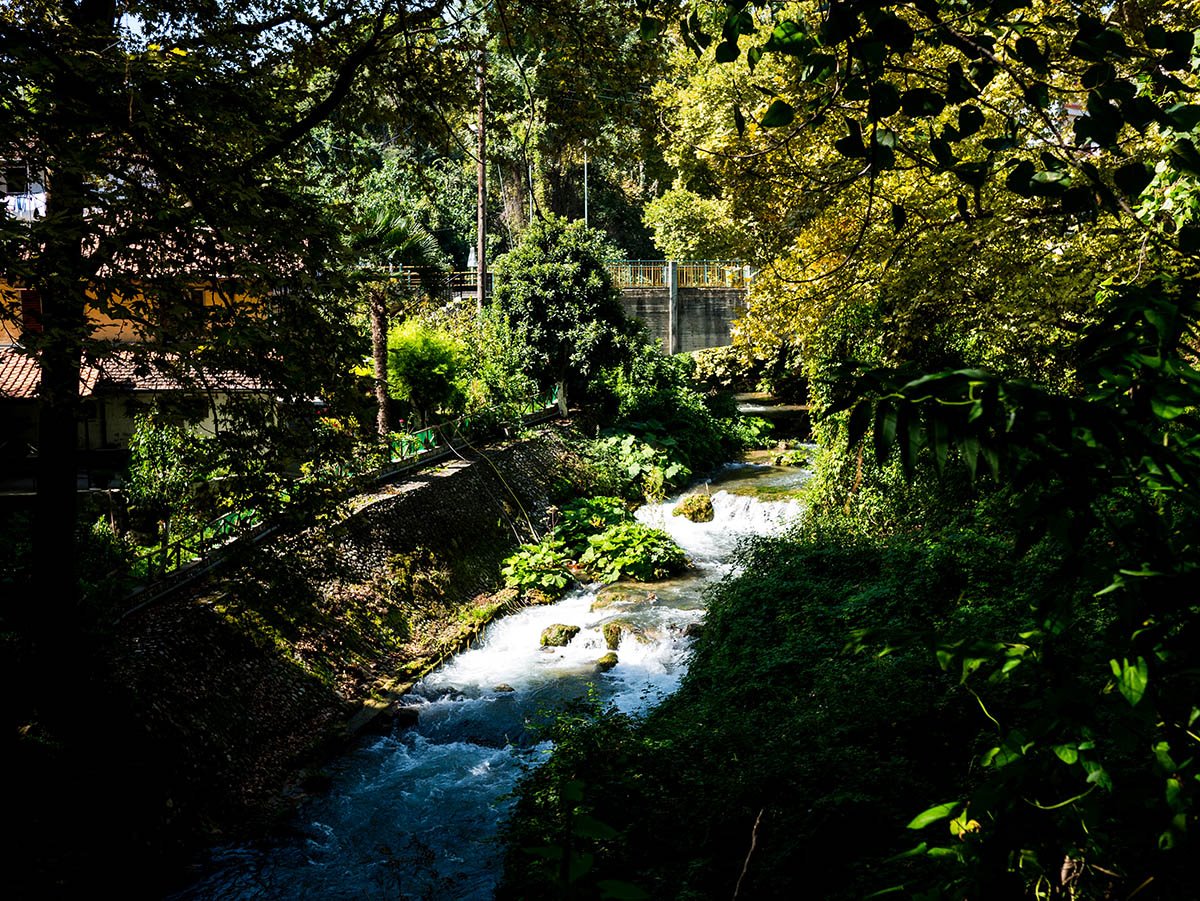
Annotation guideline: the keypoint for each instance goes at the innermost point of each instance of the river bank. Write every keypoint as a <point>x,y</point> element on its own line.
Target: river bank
<point>205,717</point>
<point>414,813</point>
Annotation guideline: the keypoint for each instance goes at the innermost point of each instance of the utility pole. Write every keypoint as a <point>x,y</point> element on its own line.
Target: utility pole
<point>481,212</point>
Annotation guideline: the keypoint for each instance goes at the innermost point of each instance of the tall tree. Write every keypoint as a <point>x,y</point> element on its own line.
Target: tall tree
<point>984,147</point>
<point>168,136</point>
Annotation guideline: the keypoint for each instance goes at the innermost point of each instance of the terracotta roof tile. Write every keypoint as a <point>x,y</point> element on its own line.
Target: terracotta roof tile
<point>122,371</point>
<point>19,374</point>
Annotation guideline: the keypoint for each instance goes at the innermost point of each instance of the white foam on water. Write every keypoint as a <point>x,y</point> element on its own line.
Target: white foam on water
<point>415,815</point>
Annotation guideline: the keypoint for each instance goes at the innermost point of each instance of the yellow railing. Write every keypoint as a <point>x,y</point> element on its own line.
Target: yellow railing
<point>713,274</point>
<point>639,273</point>
<point>690,273</point>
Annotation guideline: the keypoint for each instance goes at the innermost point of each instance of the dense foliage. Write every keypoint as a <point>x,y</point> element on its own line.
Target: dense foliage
<point>979,224</point>
<point>975,231</point>
<point>554,289</point>
<point>793,748</point>
<point>595,540</point>
<point>424,368</point>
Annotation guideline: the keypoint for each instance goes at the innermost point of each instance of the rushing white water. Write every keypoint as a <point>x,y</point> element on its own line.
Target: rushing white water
<point>415,815</point>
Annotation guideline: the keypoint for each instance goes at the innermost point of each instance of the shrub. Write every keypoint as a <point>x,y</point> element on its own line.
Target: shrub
<point>585,517</point>
<point>654,397</point>
<point>636,469</point>
<point>542,566</point>
<point>495,372</point>
<point>555,291</point>
<point>424,368</point>
<point>632,550</point>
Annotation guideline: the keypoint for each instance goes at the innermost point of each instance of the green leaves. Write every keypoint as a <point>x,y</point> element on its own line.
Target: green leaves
<point>778,114</point>
<point>543,566</point>
<point>1132,678</point>
<point>632,550</point>
<point>791,38</point>
<point>650,28</point>
<point>933,815</point>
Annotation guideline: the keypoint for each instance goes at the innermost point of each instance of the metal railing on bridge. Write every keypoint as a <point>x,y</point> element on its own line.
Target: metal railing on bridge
<point>450,286</point>
<point>438,285</point>
<point>690,273</point>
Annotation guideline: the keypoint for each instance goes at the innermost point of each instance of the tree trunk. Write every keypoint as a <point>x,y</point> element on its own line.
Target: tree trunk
<point>60,285</point>
<point>379,329</point>
<point>60,627</point>
<point>481,188</point>
<point>55,575</point>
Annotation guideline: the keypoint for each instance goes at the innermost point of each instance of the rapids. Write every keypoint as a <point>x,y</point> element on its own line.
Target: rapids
<point>414,815</point>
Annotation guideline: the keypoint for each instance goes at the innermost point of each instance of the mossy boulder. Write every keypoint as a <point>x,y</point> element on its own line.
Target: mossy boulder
<point>623,594</point>
<point>793,457</point>
<point>607,662</point>
<point>613,631</point>
<point>558,635</point>
<point>537,597</point>
<point>696,507</point>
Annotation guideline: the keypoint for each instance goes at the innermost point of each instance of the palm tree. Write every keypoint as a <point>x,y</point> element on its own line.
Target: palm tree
<point>385,240</point>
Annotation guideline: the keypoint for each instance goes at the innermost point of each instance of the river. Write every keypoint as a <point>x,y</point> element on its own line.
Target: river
<point>415,814</point>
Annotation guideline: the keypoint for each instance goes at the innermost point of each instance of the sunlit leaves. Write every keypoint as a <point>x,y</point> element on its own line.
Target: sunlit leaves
<point>933,815</point>
<point>1132,678</point>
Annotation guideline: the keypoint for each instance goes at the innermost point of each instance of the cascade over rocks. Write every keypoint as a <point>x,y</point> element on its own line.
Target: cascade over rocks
<point>264,668</point>
<point>558,635</point>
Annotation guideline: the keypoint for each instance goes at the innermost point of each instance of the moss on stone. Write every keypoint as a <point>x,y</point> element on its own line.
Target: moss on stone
<point>558,635</point>
<point>537,597</point>
<point>622,593</point>
<point>607,662</point>
<point>696,507</point>
<point>614,630</point>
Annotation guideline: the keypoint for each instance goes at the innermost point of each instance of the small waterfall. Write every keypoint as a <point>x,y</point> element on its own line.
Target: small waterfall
<point>415,815</point>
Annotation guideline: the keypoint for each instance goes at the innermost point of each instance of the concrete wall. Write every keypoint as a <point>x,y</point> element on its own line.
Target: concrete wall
<point>705,314</point>
<point>651,306</point>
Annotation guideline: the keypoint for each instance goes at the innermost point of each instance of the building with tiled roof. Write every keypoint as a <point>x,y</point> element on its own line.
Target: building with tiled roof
<point>113,391</point>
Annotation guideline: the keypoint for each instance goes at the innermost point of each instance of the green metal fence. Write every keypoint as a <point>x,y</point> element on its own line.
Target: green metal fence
<point>404,448</point>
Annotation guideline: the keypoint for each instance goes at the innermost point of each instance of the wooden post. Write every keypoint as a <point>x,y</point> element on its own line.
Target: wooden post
<point>481,200</point>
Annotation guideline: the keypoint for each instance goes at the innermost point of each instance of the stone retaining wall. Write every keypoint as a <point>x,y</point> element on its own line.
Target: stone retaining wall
<point>254,674</point>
